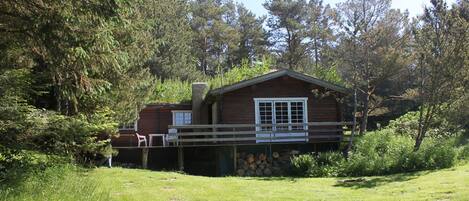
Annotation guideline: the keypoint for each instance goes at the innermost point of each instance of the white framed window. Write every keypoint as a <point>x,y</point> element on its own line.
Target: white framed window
<point>132,126</point>
<point>182,117</point>
<point>281,111</point>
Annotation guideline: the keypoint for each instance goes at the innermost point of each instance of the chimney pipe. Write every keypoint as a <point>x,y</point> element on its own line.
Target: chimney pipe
<point>199,91</point>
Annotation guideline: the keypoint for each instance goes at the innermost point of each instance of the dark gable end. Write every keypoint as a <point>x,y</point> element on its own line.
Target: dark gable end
<point>277,74</point>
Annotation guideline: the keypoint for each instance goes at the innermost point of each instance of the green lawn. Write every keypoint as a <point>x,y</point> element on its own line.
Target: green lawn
<point>133,184</point>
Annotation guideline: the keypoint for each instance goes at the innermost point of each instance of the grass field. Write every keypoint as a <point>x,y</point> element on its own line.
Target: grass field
<point>133,184</point>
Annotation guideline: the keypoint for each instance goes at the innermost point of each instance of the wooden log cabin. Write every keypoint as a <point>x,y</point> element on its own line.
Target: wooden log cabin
<point>278,112</point>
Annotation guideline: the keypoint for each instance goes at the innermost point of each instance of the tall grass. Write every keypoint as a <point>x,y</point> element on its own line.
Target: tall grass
<point>62,182</point>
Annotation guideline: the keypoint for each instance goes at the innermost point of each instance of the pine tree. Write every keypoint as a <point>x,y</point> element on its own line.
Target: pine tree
<point>80,56</point>
<point>289,35</point>
<point>173,35</point>
<point>253,38</point>
<point>215,36</point>
<point>320,23</point>
<point>442,60</point>
<point>372,47</point>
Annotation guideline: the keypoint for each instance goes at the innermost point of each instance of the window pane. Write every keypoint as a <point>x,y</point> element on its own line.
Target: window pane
<point>182,118</point>
<point>296,109</point>
<point>187,118</point>
<point>281,115</point>
<point>265,115</point>
<point>127,126</point>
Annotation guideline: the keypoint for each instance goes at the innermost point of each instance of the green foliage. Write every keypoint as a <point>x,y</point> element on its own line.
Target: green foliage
<point>80,138</point>
<point>172,91</point>
<point>441,40</point>
<point>330,164</point>
<point>303,164</point>
<point>384,152</point>
<point>56,182</point>
<point>288,24</point>
<point>173,56</point>
<point>464,152</point>
<point>326,164</point>
<point>179,91</point>
<point>76,55</point>
<point>239,73</point>
<point>224,34</point>
<point>407,124</point>
<point>330,74</point>
<point>380,153</point>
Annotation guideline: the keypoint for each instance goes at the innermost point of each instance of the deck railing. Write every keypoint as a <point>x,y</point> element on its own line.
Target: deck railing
<point>220,134</point>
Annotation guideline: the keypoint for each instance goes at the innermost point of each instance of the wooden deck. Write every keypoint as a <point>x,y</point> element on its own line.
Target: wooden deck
<point>253,134</point>
<point>235,135</point>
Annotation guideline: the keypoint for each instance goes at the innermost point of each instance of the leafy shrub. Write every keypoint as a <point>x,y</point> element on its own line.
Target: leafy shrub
<point>463,153</point>
<point>329,164</point>
<point>80,137</point>
<point>432,155</point>
<point>407,124</point>
<point>378,153</point>
<point>303,164</point>
<point>318,165</point>
<point>382,152</point>
<point>15,164</point>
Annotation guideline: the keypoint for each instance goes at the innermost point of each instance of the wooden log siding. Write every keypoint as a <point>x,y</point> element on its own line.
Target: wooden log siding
<point>201,135</point>
<point>238,106</point>
<point>154,118</point>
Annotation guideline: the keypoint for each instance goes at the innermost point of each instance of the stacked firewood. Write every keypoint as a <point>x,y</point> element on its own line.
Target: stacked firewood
<point>260,164</point>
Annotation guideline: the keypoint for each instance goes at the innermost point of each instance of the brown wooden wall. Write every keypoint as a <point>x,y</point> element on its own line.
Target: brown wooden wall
<point>237,107</point>
<point>153,119</point>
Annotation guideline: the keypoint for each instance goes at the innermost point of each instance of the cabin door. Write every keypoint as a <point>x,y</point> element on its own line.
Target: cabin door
<point>281,111</point>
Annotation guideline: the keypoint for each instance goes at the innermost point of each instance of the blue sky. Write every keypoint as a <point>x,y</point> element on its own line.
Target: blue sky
<point>415,7</point>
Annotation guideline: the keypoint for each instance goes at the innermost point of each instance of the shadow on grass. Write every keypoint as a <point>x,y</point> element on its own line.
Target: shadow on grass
<point>378,181</point>
<point>291,179</point>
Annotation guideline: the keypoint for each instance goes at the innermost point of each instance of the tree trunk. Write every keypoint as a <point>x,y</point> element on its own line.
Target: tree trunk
<point>366,106</point>
<point>316,54</point>
<point>350,143</point>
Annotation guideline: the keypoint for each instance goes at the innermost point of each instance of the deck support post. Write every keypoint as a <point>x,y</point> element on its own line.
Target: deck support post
<point>145,158</point>
<point>235,152</point>
<point>181,159</point>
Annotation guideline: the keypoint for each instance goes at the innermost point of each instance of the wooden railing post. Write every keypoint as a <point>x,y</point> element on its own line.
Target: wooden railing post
<point>181,158</point>
<point>235,152</point>
<point>144,158</point>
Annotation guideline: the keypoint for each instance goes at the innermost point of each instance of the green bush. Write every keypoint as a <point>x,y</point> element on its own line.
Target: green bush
<point>379,153</point>
<point>302,165</point>
<point>25,132</point>
<point>463,153</point>
<point>318,165</point>
<point>432,155</point>
<point>407,124</point>
<point>383,152</point>
<point>329,164</point>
